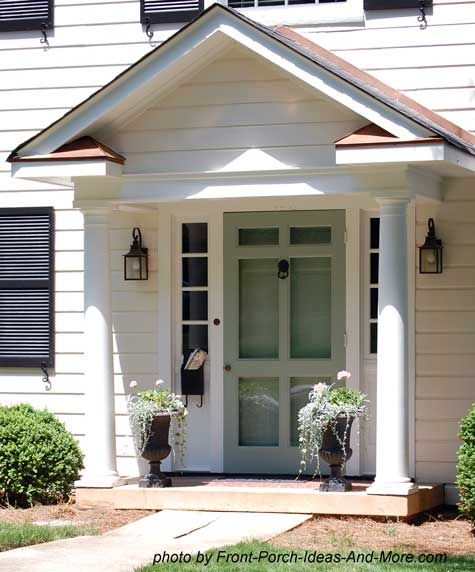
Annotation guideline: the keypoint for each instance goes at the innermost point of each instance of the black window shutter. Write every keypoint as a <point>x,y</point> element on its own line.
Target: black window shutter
<point>27,287</point>
<point>395,4</point>
<point>16,15</point>
<point>159,11</point>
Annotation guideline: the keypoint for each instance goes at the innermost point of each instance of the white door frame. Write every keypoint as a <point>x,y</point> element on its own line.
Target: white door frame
<point>172,214</point>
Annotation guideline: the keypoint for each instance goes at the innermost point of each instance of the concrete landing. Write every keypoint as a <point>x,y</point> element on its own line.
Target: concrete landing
<point>264,496</point>
<point>135,544</point>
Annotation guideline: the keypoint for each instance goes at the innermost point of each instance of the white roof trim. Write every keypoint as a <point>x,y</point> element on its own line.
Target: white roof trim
<point>196,45</point>
<point>407,153</point>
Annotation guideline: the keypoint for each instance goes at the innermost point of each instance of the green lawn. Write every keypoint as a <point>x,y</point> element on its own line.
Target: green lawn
<point>242,550</point>
<point>17,535</point>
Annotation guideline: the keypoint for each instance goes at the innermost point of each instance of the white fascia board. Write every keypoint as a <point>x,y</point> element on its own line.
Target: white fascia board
<point>197,44</point>
<point>323,81</point>
<point>150,77</point>
<point>62,172</point>
<point>367,154</point>
<point>416,153</point>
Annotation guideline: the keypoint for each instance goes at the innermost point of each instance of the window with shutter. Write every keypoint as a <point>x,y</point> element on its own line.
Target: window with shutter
<point>27,287</point>
<point>159,11</point>
<point>395,4</point>
<point>18,15</point>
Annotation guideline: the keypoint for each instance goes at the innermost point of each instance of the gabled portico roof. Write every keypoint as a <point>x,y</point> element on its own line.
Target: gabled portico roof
<point>198,42</point>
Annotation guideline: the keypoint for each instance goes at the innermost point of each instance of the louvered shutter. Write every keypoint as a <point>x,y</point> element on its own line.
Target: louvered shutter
<point>157,11</point>
<point>26,287</point>
<point>394,4</point>
<point>25,14</point>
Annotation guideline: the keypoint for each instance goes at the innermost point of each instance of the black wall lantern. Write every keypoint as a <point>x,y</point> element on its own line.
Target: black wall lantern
<point>430,253</point>
<point>136,260</point>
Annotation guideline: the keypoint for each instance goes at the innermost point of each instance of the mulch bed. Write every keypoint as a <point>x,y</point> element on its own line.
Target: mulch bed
<point>101,519</point>
<point>441,531</point>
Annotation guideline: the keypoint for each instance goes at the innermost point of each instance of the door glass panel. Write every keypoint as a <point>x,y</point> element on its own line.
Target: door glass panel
<point>374,267</point>
<point>195,305</point>
<point>194,337</point>
<point>258,308</point>
<point>259,412</point>
<point>195,271</point>
<point>300,387</point>
<point>258,236</point>
<point>195,237</point>
<point>310,308</point>
<point>310,235</point>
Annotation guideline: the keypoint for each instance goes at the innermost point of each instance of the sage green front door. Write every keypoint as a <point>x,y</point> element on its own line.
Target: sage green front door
<point>284,329</point>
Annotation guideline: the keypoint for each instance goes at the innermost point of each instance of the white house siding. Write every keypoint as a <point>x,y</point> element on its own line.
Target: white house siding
<point>445,334</point>
<point>93,41</point>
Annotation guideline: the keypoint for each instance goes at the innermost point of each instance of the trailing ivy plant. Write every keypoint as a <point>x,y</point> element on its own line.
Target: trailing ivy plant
<point>145,405</point>
<point>327,404</point>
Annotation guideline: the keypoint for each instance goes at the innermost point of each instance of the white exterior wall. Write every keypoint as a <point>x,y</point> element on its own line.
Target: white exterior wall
<point>93,41</point>
<point>445,334</point>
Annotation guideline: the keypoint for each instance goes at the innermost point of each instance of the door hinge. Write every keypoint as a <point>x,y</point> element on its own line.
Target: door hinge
<point>345,236</point>
<point>345,339</point>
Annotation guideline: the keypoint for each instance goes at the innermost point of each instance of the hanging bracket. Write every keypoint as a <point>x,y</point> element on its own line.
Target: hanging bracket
<point>148,31</point>
<point>422,17</point>
<point>44,29</point>
<point>45,379</point>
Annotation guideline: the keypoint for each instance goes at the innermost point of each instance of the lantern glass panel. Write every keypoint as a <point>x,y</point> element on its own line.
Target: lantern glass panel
<point>135,268</point>
<point>430,260</point>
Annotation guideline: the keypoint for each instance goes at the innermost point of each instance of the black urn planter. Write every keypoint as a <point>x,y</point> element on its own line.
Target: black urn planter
<point>156,449</point>
<point>335,451</point>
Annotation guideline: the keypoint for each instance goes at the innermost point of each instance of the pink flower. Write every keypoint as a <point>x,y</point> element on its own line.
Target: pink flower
<point>343,375</point>
<point>133,384</point>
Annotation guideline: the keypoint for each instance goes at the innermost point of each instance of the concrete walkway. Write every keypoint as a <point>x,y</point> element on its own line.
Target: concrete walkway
<point>135,544</point>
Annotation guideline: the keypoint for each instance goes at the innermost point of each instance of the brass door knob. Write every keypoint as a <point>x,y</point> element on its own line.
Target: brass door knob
<point>227,368</point>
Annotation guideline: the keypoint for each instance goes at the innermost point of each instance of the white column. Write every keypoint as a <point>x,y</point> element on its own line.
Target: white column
<point>392,426</point>
<point>100,454</point>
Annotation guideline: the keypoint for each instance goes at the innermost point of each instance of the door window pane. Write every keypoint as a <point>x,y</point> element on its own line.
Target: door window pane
<point>300,387</point>
<point>258,308</point>
<point>258,236</point>
<point>194,337</point>
<point>373,311</point>
<point>374,267</point>
<point>310,308</point>
<point>310,235</point>
<point>374,233</point>
<point>195,271</point>
<point>195,305</point>
<point>194,237</point>
<point>259,412</point>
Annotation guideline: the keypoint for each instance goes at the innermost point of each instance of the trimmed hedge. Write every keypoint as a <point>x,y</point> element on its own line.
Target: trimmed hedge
<point>466,465</point>
<point>39,458</point>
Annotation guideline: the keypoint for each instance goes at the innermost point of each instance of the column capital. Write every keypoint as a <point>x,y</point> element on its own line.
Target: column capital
<point>392,200</point>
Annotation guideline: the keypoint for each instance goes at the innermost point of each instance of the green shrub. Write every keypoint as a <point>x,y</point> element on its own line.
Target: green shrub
<point>466,465</point>
<point>39,458</point>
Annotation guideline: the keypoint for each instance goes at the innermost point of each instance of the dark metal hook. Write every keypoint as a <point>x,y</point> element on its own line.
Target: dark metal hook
<point>148,31</point>
<point>422,18</point>
<point>201,402</point>
<point>44,29</point>
<point>45,379</point>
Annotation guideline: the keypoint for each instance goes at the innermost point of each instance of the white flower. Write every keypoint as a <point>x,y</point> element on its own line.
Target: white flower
<point>133,384</point>
<point>159,382</point>
<point>343,375</point>
<point>320,388</point>
<point>178,396</point>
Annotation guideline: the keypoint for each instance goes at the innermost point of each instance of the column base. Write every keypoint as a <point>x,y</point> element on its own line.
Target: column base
<point>99,482</point>
<point>393,489</point>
